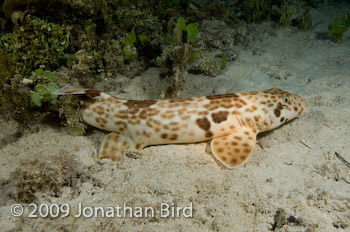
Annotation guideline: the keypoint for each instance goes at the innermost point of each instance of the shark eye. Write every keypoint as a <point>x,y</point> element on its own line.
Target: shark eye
<point>285,99</point>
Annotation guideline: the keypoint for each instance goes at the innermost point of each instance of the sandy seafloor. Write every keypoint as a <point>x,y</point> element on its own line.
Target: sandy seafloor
<point>293,169</point>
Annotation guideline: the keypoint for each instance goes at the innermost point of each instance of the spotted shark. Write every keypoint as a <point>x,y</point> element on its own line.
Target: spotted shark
<point>230,121</point>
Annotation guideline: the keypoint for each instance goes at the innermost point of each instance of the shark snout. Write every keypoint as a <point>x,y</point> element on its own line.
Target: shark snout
<point>303,107</point>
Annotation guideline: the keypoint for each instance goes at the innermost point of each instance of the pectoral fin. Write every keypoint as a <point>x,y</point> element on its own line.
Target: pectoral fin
<point>114,145</point>
<point>233,149</point>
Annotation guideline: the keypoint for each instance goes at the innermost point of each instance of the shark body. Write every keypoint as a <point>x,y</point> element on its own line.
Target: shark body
<point>230,121</point>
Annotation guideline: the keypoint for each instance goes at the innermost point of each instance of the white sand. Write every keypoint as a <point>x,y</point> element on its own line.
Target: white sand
<point>292,168</point>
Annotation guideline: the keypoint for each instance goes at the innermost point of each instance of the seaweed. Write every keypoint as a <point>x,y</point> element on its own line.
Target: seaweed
<point>288,11</point>
<point>258,9</point>
<point>171,3</point>
<point>36,43</point>
<point>43,92</point>
<point>304,21</point>
<point>223,62</point>
<point>93,40</point>
<point>85,40</point>
<point>339,26</point>
<point>181,55</point>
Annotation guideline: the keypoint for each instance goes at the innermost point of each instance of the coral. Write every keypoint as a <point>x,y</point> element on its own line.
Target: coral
<point>182,56</point>
<point>125,39</point>
<point>39,176</point>
<point>220,10</point>
<point>84,61</point>
<point>206,63</point>
<point>142,21</point>
<point>15,103</point>
<point>70,110</point>
<point>6,67</point>
<point>221,39</point>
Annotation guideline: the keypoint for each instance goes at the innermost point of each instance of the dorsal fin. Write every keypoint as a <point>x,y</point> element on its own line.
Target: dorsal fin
<point>73,90</point>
